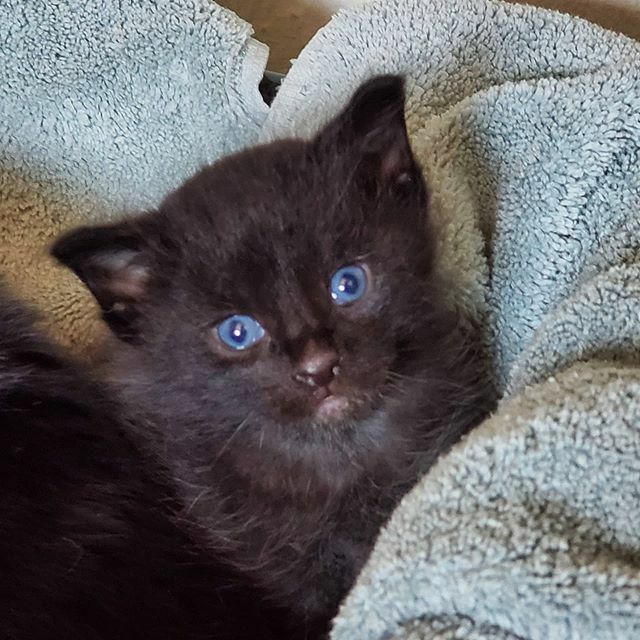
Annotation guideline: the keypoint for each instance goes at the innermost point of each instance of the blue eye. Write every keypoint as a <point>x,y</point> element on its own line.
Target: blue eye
<point>240,332</point>
<point>348,284</point>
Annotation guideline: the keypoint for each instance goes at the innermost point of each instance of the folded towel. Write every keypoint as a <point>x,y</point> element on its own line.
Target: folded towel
<point>527,123</point>
<point>105,107</point>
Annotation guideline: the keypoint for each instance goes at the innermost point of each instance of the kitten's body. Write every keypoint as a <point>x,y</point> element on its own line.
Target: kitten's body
<point>90,547</point>
<point>288,472</point>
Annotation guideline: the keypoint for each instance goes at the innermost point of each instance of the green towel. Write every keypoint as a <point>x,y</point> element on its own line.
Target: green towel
<point>105,107</point>
<point>527,123</point>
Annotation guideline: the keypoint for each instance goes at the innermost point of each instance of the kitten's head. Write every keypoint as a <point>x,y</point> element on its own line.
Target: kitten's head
<point>279,307</point>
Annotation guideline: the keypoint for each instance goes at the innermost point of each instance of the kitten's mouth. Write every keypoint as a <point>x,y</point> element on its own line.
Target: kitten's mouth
<point>333,406</point>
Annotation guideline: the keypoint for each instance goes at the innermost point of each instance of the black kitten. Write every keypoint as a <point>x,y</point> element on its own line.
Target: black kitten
<point>88,546</point>
<point>284,348</point>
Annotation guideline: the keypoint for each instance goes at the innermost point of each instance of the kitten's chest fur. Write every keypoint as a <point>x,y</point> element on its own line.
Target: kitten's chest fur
<point>304,550</point>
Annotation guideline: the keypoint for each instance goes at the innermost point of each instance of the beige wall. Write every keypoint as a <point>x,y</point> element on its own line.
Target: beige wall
<point>287,25</point>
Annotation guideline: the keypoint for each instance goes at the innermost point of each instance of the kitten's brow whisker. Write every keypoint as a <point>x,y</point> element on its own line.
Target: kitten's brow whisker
<point>343,191</point>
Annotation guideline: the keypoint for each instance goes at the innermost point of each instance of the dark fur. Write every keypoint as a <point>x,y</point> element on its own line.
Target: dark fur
<point>89,548</point>
<point>292,502</point>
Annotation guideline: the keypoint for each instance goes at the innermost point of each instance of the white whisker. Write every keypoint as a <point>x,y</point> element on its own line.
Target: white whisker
<point>231,437</point>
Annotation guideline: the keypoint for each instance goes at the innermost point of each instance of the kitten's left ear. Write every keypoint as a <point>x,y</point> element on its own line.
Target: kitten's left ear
<point>373,126</point>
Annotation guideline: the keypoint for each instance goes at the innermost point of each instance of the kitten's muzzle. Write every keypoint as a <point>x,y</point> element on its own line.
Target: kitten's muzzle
<point>317,366</point>
<point>318,370</point>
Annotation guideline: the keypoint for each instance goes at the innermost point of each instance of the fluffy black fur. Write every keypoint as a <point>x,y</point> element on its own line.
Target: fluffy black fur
<point>90,548</point>
<point>292,498</point>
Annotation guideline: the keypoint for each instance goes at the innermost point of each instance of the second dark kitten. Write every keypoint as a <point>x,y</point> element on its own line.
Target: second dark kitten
<point>91,547</point>
<point>284,347</point>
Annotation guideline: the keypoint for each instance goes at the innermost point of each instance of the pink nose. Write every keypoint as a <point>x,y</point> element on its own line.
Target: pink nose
<point>318,365</point>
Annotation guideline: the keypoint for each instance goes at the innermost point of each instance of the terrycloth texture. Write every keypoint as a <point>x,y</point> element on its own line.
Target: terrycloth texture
<point>105,107</point>
<point>528,124</point>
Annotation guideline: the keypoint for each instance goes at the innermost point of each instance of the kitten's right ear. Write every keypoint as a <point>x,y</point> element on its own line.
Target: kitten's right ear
<point>111,261</point>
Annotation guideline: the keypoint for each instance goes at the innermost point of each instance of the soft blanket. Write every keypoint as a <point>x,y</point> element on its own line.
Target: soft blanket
<point>527,123</point>
<point>104,108</point>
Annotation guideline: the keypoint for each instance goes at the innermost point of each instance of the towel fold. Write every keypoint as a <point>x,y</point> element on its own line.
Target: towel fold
<point>104,108</point>
<point>527,124</point>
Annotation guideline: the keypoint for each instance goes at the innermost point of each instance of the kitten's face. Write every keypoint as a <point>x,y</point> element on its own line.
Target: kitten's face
<point>279,305</point>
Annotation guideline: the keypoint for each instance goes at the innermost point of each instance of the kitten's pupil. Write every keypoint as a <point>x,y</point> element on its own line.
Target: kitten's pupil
<point>238,332</point>
<point>348,284</point>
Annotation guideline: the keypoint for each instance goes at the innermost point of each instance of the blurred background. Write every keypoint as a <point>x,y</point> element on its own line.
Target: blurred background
<point>287,25</point>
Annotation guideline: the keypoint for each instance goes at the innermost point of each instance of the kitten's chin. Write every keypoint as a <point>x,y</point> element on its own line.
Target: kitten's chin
<point>333,409</point>
<point>334,405</point>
